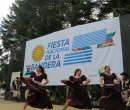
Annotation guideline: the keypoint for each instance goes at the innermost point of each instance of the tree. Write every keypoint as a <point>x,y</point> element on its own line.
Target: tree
<point>30,19</point>
<point>3,73</point>
<point>121,7</point>
<point>113,7</point>
<point>81,12</point>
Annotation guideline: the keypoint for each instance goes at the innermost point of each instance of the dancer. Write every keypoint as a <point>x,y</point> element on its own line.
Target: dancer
<point>78,98</point>
<point>125,86</point>
<point>111,98</point>
<point>37,96</point>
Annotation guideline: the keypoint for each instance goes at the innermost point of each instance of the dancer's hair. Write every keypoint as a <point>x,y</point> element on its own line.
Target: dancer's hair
<point>106,67</point>
<point>76,71</point>
<point>41,68</point>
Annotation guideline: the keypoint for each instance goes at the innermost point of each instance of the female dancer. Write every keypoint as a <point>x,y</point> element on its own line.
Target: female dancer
<point>111,98</point>
<point>37,96</point>
<point>78,98</point>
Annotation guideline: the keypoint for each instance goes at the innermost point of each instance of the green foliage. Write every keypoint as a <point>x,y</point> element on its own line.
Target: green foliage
<point>3,85</point>
<point>3,74</point>
<point>81,12</point>
<point>30,19</point>
<point>122,7</point>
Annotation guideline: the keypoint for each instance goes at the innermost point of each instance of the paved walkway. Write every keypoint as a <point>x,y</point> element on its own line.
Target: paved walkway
<point>12,105</point>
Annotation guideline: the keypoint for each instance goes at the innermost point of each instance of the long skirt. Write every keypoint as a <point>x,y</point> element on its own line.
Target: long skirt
<point>78,95</point>
<point>111,99</point>
<point>37,96</point>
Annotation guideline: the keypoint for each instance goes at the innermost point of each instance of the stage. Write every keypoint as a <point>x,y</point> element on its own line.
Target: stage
<point>12,105</point>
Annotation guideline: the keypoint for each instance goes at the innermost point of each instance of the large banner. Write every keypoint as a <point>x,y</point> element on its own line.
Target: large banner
<point>88,47</point>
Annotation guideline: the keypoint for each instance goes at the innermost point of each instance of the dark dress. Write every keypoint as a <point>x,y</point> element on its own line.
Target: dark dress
<point>111,97</point>
<point>37,96</point>
<point>79,95</point>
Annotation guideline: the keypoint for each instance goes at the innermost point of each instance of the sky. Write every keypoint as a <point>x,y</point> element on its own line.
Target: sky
<point>4,9</point>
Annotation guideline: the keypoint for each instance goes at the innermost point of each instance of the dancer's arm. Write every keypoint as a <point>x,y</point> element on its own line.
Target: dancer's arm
<point>67,79</point>
<point>101,79</point>
<point>46,81</point>
<point>87,81</point>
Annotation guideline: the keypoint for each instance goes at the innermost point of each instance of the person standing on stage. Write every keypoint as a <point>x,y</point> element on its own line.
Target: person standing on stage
<point>78,98</point>
<point>37,96</point>
<point>125,86</point>
<point>111,98</point>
